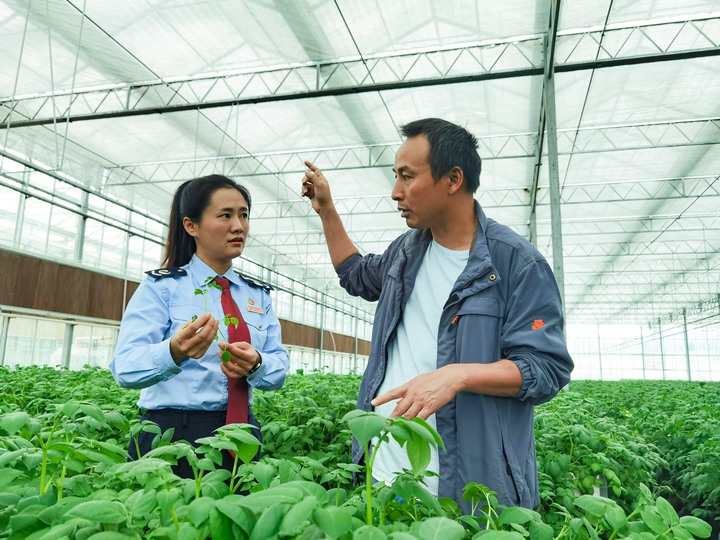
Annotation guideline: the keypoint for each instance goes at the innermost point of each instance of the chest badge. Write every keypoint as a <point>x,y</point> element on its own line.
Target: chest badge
<point>253,308</point>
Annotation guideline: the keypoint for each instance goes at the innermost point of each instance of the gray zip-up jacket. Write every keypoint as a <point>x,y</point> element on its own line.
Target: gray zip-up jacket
<point>505,304</point>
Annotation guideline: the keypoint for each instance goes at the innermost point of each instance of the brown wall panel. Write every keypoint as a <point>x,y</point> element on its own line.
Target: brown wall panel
<point>33,283</point>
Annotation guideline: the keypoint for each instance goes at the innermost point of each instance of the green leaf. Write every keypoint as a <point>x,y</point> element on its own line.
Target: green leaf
<point>220,524</point>
<point>540,531</point>
<point>63,530</point>
<point>367,426</point>
<point>243,517</point>
<point>9,457</point>
<point>263,473</point>
<point>13,422</point>
<point>100,511</point>
<point>268,524</point>
<point>498,535</point>
<point>215,489</point>
<point>260,500</point>
<point>591,505</point>
<point>332,521</point>
<point>653,520</point>
<point>111,535</point>
<point>24,524</point>
<point>696,526</point>
<point>56,512</point>
<point>70,408</point>
<point>420,428</point>
<point>681,534</point>
<point>198,291</point>
<point>615,517</point>
<point>199,510</point>
<point>437,528</point>
<point>667,512</point>
<point>141,503</point>
<point>188,532</point>
<point>516,515</point>
<point>297,515</point>
<point>427,498</point>
<point>368,532</point>
<point>93,411</point>
<point>309,489</point>
<point>418,451</point>
<point>226,356</point>
<point>8,499</point>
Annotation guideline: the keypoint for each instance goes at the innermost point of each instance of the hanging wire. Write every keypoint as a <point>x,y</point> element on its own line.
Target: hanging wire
<point>17,75</point>
<point>72,86</point>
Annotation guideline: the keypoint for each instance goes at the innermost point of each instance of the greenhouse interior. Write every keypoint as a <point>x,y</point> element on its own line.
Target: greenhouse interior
<point>598,127</point>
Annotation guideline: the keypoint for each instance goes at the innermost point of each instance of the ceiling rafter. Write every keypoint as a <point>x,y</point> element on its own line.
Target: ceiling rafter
<point>624,137</point>
<point>577,50</point>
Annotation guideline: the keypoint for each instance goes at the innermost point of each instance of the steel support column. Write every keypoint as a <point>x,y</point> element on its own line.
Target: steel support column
<point>67,345</point>
<point>687,345</point>
<point>552,157</point>
<point>4,327</point>
<point>642,351</point>
<point>662,352</point>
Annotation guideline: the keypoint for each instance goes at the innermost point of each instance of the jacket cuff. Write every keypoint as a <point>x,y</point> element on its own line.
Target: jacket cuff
<point>528,377</point>
<point>347,264</point>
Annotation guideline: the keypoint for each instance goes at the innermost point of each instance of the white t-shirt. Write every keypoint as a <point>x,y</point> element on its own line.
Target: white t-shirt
<point>414,349</point>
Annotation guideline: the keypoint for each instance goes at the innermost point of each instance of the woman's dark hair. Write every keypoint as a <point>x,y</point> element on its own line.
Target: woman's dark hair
<point>190,200</point>
<point>450,146</point>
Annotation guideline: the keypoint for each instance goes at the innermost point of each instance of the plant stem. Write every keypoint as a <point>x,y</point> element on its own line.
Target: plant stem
<point>198,479</point>
<point>368,486</point>
<point>233,486</point>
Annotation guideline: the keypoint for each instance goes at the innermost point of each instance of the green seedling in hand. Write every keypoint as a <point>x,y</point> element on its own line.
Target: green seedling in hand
<point>228,319</point>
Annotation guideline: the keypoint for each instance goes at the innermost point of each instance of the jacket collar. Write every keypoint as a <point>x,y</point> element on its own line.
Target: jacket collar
<point>418,240</point>
<point>201,271</point>
<point>414,247</point>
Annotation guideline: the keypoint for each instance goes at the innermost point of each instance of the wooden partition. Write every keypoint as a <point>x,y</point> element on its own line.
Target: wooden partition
<point>42,285</point>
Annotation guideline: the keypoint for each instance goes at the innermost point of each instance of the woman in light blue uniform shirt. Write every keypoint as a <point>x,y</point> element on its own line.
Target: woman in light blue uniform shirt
<point>167,347</point>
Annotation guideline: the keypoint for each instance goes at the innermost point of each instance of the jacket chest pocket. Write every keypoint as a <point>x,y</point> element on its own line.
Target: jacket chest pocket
<point>478,323</point>
<point>183,313</point>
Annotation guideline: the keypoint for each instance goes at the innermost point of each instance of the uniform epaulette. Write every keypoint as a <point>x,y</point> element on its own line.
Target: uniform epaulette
<point>265,286</point>
<point>172,271</point>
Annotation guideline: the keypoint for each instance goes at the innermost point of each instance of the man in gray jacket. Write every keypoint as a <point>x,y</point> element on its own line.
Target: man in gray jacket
<point>468,330</point>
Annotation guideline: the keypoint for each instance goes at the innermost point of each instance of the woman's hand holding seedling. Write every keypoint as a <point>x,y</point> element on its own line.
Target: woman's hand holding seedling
<point>243,358</point>
<point>193,339</point>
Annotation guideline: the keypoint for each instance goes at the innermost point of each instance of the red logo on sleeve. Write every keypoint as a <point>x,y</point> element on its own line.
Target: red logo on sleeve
<point>538,323</point>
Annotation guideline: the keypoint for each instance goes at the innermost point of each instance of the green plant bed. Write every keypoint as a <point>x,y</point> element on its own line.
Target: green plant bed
<point>64,471</point>
<point>681,420</point>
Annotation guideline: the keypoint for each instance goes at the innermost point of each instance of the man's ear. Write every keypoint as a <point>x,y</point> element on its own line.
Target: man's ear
<point>456,179</point>
<point>190,226</point>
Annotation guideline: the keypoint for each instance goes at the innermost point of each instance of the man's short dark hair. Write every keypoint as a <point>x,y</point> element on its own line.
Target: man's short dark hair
<point>450,146</point>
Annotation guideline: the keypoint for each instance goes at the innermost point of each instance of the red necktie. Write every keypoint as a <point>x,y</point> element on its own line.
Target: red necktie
<point>237,411</point>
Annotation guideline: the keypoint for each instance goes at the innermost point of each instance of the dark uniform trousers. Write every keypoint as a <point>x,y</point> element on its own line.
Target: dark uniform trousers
<point>189,426</point>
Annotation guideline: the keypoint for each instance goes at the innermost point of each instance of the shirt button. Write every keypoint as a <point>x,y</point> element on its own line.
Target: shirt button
<point>492,277</point>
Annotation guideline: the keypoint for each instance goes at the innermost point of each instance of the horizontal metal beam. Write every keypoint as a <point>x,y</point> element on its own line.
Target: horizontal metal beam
<point>631,190</point>
<point>705,307</point>
<point>621,137</point>
<point>577,50</point>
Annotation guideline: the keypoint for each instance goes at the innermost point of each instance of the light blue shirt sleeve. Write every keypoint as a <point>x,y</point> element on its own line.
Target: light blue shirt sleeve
<point>142,356</point>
